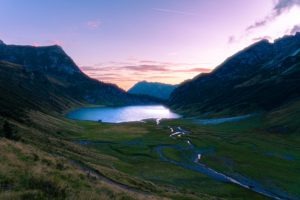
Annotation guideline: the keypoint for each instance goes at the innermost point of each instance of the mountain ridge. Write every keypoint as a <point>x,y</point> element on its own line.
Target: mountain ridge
<point>258,78</point>
<point>46,78</point>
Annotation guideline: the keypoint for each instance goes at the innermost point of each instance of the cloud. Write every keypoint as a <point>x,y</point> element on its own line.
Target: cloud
<point>280,7</point>
<point>114,78</point>
<point>93,24</point>
<point>89,68</point>
<point>231,39</point>
<point>262,38</point>
<point>147,68</point>
<point>295,29</point>
<point>148,61</point>
<point>260,23</point>
<point>125,75</point>
<point>170,11</point>
<point>156,67</point>
<point>284,5</point>
<point>199,70</point>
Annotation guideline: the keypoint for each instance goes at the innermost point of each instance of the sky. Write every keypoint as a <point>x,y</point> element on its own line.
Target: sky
<point>126,41</point>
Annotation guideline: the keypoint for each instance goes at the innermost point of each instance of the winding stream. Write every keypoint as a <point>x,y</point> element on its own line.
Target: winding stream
<point>193,163</point>
<point>192,154</point>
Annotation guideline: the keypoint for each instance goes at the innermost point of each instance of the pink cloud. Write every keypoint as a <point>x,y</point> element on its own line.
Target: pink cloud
<point>140,68</point>
<point>147,68</point>
<point>199,70</point>
<point>128,74</point>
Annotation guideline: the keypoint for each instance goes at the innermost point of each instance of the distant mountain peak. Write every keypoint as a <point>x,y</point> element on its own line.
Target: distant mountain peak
<point>153,89</point>
<point>153,82</point>
<point>1,42</point>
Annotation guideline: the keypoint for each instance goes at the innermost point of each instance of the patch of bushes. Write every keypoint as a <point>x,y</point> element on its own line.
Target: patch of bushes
<point>9,131</point>
<point>47,188</point>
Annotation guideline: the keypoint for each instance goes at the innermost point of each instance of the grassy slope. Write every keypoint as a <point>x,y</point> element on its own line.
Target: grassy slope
<point>50,163</point>
<point>42,164</point>
<point>21,91</point>
<point>253,148</point>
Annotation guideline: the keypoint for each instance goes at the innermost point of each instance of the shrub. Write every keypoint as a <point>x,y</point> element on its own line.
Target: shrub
<point>9,132</point>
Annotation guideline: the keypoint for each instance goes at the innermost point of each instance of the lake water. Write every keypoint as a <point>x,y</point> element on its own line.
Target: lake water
<point>122,114</point>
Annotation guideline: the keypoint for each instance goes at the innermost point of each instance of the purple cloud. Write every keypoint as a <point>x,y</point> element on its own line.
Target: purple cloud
<point>231,39</point>
<point>178,12</point>
<point>262,38</point>
<point>280,7</point>
<point>295,29</point>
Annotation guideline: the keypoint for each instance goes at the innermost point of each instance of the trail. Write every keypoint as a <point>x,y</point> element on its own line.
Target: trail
<point>93,173</point>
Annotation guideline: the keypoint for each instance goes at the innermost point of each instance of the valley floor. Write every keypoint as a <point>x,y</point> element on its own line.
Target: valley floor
<point>63,159</point>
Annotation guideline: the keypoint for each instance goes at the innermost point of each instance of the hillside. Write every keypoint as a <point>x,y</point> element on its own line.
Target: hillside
<point>46,156</point>
<point>153,89</point>
<point>47,79</point>
<point>261,77</point>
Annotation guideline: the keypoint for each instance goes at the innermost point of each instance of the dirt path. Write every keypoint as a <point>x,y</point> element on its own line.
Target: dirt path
<point>93,173</point>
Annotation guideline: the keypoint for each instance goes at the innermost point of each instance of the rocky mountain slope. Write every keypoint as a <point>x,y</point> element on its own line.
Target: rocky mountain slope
<point>259,78</point>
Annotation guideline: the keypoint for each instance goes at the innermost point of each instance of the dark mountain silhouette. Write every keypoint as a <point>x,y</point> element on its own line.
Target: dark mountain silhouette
<point>46,78</point>
<point>153,89</point>
<point>259,78</point>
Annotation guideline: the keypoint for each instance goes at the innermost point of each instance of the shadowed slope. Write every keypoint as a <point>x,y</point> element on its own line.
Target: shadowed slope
<point>261,77</point>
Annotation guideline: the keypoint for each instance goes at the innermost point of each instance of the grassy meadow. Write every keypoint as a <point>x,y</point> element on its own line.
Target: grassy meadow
<point>57,158</point>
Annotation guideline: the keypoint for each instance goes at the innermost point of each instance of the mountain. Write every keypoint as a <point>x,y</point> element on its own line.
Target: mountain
<point>261,77</point>
<point>153,89</point>
<point>46,78</point>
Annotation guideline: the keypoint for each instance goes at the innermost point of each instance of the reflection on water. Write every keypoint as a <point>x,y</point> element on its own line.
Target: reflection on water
<point>122,114</point>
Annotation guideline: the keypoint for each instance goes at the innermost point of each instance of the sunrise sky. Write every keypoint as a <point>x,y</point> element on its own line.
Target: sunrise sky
<point>125,41</point>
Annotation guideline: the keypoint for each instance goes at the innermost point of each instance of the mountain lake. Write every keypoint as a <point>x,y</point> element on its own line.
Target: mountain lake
<point>122,114</point>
